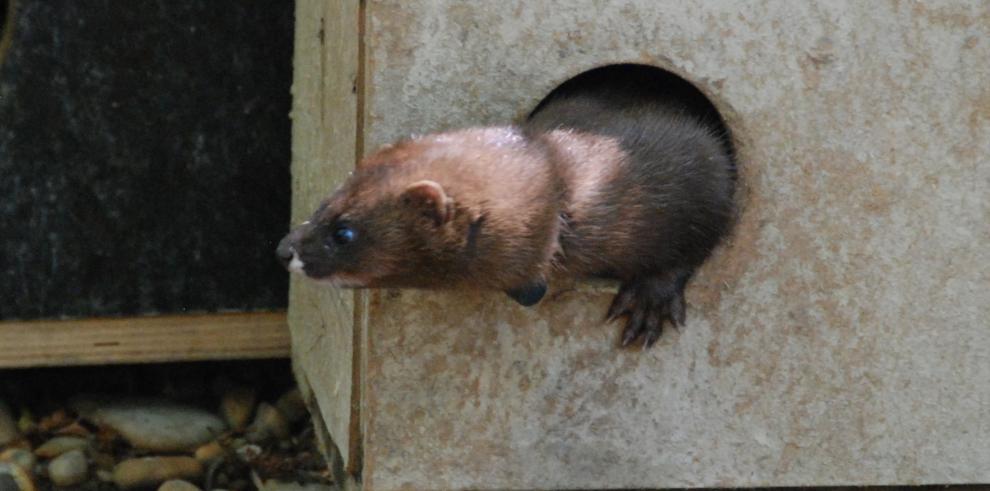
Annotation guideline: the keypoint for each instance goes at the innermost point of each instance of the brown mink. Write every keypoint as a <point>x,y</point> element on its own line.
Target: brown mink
<point>600,181</point>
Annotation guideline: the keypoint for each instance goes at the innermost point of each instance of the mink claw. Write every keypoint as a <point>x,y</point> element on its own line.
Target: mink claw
<point>629,335</point>
<point>650,338</point>
<point>677,311</point>
<point>649,303</point>
<point>621,304</point>
<point>654,327</point>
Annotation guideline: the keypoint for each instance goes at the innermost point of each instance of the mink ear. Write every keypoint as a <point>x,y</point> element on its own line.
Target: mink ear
<point>430,197</point>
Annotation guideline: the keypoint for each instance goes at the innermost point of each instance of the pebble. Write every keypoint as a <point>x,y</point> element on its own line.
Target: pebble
<point>178,485</point>
<point>54,421</point>
<point>149,471</point>
<point>268,422</point>
<point>292,405</point>
<point>236,406</point>
<point>8,426</point>
<point>60,445</point>
<point>19,456</point>
<point>73,429</point>
<point>14,478</point>
<point>68,469</point>
<point>248,452</point>
<point>209,452</point>
<point>154,425</point>
<point>26,423</point>
<point>104,476</point>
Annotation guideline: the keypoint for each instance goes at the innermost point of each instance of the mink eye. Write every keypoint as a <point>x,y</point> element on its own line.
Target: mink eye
<point>342,234</point>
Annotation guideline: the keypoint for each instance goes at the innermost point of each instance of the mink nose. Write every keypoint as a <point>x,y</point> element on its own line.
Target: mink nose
<point>285,251</point>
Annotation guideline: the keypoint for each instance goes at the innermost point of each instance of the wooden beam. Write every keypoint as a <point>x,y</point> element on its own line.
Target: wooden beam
<point>143,339</point>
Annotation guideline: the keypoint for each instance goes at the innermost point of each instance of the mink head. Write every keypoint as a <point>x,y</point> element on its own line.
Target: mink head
<point>378,230</point>
<point>471,208</point>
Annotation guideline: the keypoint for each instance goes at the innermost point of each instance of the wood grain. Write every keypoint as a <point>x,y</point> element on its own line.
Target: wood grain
<point>327,125</point>
<point>143,339</point>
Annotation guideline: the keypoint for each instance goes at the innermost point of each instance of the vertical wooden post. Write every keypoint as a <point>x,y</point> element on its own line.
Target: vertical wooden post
<point>324,146</point>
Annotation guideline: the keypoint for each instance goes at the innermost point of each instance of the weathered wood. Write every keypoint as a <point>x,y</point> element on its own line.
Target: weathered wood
<point>325,132</point>
<point>143,339</point>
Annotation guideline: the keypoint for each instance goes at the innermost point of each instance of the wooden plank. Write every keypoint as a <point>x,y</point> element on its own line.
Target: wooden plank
<point>143,339</point>
<point>325,323</point>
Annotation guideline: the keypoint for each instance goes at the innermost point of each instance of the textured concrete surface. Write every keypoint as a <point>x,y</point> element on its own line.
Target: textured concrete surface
<point>841,337</point>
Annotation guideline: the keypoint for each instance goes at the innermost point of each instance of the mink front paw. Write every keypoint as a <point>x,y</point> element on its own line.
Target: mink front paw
<point>647,303</point>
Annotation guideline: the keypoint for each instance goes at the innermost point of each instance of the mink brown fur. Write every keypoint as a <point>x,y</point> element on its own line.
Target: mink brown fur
<point>600,181</point>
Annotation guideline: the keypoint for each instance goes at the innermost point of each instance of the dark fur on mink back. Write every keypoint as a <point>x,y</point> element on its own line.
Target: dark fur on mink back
<point>670,200</point>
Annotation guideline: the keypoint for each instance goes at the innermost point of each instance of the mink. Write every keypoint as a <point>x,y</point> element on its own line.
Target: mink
<point>599,181</point>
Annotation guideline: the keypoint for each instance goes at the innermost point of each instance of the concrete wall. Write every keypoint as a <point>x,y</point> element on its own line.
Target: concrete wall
<point>842,335</point>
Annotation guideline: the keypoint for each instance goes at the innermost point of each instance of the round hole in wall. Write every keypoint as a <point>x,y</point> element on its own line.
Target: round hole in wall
<point>642,85</point>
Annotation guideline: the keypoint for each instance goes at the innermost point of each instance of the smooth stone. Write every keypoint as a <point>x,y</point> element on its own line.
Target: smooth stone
<point>19,456</point>
<point>292,405</point>
<point>52,422</point>
<point>155,425</point>
<point>150,471</point>
<point>237,405</point>
<point>15,478</point>
<point>178,485</point>
<point>74,429</point>
<point>248,452</point>
<point>209,452</point>
<point>60,445</point>
<point>268,422</point>
<point>26,423</point>
<point>8,425</point>
<point>68,469</point>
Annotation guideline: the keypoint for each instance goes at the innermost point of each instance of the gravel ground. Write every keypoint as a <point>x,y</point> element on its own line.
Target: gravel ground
<point>230,425</point>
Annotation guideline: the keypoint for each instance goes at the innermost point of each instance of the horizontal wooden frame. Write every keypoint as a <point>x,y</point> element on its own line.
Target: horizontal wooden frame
<point>143,339</point>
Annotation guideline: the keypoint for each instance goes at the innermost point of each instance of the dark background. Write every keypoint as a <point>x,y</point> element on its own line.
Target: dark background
<point>144,157</point>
